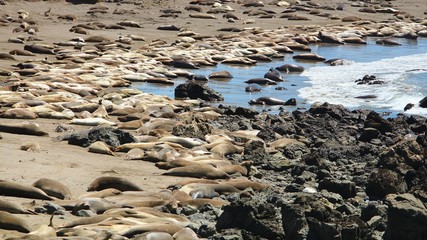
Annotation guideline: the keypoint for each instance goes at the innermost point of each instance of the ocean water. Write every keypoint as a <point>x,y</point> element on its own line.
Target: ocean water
<point>402,68</point>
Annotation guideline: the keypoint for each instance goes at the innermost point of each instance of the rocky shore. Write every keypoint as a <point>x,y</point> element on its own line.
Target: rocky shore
<point>85,156</point>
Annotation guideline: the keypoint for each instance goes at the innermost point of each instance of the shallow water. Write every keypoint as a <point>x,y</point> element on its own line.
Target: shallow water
<point>402,68</point>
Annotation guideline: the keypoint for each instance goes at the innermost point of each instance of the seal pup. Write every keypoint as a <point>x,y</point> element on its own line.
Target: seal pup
<point>101,148</point>
<point>220,75</point>
<point>53,188</point>
<point>118,183</point>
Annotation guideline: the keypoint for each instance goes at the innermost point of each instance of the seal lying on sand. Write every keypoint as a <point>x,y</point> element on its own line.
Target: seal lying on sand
<point>23,128</point>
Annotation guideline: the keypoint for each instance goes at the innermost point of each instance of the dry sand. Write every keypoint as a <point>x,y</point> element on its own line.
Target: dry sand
<point>74,166</point>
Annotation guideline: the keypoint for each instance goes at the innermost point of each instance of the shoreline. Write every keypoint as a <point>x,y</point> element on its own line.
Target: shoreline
<point>328,158</point>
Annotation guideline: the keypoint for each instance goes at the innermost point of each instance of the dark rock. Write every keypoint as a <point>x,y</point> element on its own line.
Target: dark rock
<point>373,209</point>
<point>383,182</point>
<point>197,130</point>
<point>344,188</point>
<point>267,134</point>
<point>194,90</point>
<point>408,106</point>
<point>423,102</point>
<point>368,134</point>
<point>111,136</point>
<point>335,111</point>
<point>255,150</point>
<point>294,223</point>
<point>374,120</point>
<point>407,218</point>
<point>256,219</point>
<point>291,102</point>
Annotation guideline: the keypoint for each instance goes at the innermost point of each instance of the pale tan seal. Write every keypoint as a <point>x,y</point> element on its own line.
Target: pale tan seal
<point>19,113</point>
<point>185,234</point>
<point>23,128</point>
<point>11,222</point>
<point>113,182</point>
<point>12,207</point>
<point>19,190</point>
<point>101,148</point>
<point>198,171</point>
<point>53,188</point>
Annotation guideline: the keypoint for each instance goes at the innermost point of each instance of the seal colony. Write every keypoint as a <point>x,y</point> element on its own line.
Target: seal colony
<point>113,162</point>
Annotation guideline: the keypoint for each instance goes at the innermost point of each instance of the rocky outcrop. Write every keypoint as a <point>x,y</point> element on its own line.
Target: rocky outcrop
<point>407,218</point>
<point>194,90</point>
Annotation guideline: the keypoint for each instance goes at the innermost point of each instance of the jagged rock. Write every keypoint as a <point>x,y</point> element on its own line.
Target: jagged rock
<point>197,130</point>
<point>255,150</point>
<point>383,182</point>
<point>423,102</point>
<point>407,218</point>
<point>344,188</point>
<point>373,208</point>
<point>368,134</point>
<point>335,111</point>
<point>110,136</point>
<point>374,120</point>
<point>255,216</point>
<point>194,90</point>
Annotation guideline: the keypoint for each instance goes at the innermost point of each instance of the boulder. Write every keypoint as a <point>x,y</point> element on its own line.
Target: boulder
<point>383,182</point>
<point>194,90</point>
<point>407,218</point>
<point>345,188</point>
<point>112,137</point>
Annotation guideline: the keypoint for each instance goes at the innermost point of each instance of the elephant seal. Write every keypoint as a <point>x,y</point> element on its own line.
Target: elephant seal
<point>53,188</point>
<point>167,227</point>
<point>113,182</point>
<point>154,236</point>
<point>23,128</point>
<point>309,57</point>
<point>197,171</point>
<point>291,68</point>
<point>253,87</point>
<point>12,207</point>
<point>274,75</point>
<point>388,42</point>
<point>185,234</point>
<point>11,222</point>
<point>266,101</point>
<point>220,75</point>
<point>101,148</point>
<point>34,48</point>
<point>261,81</point>
<point>18,113</point>
<point>329,38</point>
<point>19,190</point>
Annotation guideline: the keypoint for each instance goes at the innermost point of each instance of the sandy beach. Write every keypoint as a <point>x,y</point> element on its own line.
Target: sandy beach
<point>74,166</point>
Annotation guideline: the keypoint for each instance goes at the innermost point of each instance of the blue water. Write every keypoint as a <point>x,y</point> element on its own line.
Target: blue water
<point>335,84</point>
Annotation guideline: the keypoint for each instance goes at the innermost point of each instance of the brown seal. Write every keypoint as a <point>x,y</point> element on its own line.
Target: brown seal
<point>198,171</point>
<point>11,222</point>
<point>23,128</point>
<point>19,190</point>
<point>113,182</point>
<point>53,188</point>
<point>12,207</point>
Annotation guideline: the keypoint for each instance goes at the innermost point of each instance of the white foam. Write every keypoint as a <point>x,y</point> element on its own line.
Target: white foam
<point>335,84</point>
